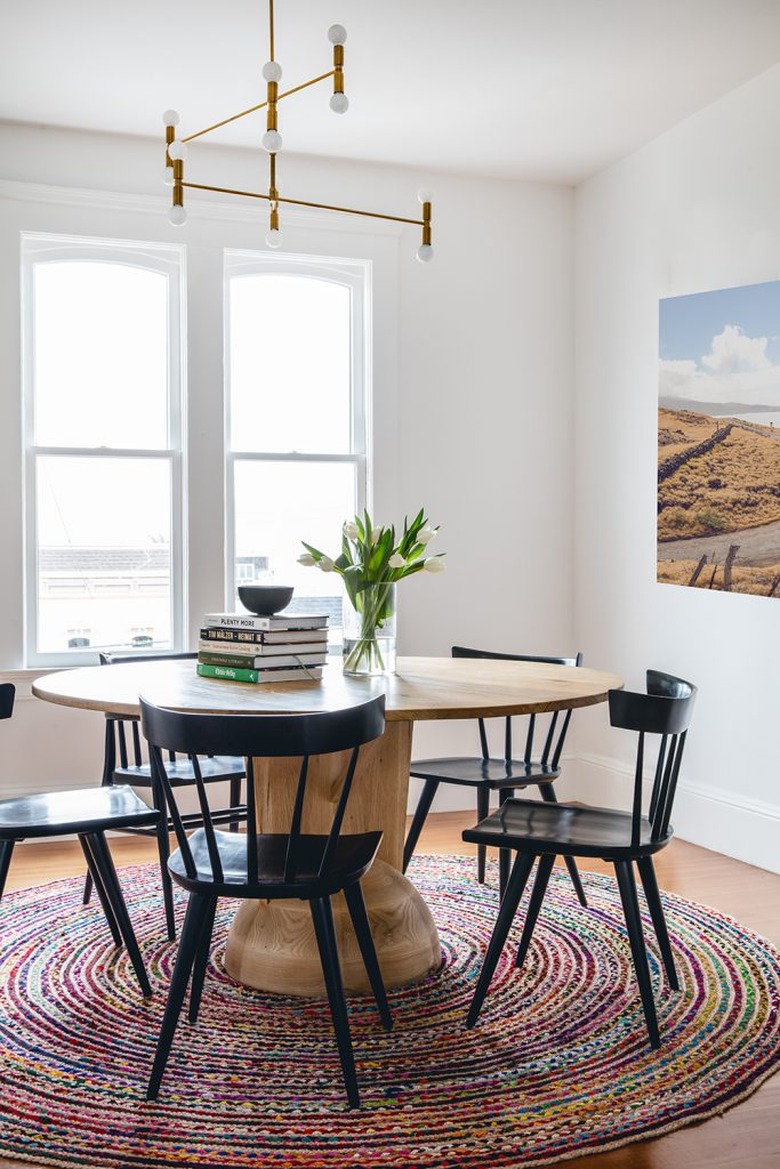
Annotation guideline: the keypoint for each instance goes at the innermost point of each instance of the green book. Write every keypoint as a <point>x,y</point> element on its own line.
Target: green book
<point>237,674</point>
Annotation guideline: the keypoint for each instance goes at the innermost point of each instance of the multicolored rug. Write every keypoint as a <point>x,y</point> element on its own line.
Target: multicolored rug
<point>558,1065</point>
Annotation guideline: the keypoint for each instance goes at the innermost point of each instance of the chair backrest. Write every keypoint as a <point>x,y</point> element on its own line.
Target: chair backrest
<point>7,695</point>
<point>118,752</point>
<point>665,710</point>
<point>553,742</point>
<point>261,736</point>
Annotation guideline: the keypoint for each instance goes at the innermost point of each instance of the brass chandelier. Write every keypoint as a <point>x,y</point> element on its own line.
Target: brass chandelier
<point>176,148</point>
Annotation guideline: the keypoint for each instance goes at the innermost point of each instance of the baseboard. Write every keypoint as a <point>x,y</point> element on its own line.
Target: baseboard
<point>747,830</point>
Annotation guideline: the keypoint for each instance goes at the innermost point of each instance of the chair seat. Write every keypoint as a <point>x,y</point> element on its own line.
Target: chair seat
<point>564,829</point>
<point>83,810</point>
<point>180,771</point>
<point>478,772</point>
<point>352,857</point>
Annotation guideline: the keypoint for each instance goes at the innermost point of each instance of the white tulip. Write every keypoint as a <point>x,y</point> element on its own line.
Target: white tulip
<point>435,564</point>
<point>350,530</point>
<point>375,535</point>
<point>306,559</point>
<point>426,534</point>
<point>326,564</point>
<point>397,560</point>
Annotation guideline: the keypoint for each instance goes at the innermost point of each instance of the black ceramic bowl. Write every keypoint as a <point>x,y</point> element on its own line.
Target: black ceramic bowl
<point>264,599</point>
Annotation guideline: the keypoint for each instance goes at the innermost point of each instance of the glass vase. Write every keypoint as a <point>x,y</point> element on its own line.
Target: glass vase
<point>369,630</point>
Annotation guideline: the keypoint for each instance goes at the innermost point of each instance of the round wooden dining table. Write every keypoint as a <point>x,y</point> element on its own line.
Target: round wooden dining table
<point>271,944</point>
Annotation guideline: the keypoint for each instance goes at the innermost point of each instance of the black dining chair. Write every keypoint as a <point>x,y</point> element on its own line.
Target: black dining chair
<point>543,831</point>
<point>488,773</point>
<point>210,864</point>
<point>124,761</point>
<point>87,813</point>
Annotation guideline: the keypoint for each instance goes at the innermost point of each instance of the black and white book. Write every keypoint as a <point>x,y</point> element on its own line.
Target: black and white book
<point>267,637</point>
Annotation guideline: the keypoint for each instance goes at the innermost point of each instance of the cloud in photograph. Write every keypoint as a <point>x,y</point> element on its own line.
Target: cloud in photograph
<point>735,370</point>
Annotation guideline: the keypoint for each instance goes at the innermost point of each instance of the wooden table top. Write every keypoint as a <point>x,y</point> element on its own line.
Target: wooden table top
<point>421,689</point>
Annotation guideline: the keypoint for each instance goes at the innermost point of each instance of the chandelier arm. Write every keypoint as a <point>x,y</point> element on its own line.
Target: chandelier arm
<point>306,84</point>
<point>254,109</point>
<point>302,203</point>
<point>225,122</point>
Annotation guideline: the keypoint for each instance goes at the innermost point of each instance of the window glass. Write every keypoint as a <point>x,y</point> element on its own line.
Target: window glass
<point>317,498</point>
<point>104,540</point>
<point>100,355</point>
<point>290,363</point>
<point>104,553</point>
<point>297,410</point>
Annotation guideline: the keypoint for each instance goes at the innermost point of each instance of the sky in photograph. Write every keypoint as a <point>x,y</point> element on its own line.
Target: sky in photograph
<point>721,347</point>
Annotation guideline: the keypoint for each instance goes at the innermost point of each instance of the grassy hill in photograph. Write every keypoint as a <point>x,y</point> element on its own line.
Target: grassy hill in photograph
<point>715,475</point>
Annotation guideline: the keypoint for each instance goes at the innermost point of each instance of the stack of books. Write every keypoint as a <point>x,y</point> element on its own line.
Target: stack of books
<point>281,648</point>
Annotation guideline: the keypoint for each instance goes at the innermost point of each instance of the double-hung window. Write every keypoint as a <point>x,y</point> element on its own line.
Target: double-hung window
<point>296,360</point>
<point>103,447</point>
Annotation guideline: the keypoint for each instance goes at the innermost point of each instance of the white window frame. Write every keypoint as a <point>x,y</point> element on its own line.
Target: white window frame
<point>38,248</point>
<point>356,276</point>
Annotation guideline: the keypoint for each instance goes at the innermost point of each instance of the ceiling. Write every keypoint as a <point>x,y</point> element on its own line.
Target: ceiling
<point>551,90</point>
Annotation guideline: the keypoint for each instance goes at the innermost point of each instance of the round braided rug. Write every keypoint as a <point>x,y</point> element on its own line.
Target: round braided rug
<point>558,1064</point>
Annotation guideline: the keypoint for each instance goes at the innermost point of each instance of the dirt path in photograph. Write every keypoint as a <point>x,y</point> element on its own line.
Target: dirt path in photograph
<point>756,546</point>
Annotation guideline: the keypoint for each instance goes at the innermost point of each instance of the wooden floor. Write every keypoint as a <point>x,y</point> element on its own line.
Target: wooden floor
<point>747,1135</point>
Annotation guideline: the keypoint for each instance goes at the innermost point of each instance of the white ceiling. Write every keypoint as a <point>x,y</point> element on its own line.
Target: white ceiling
<point>537,89</point>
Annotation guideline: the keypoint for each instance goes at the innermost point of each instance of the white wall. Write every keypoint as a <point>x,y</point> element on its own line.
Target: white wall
<point>472,373</point>
<point>697,209</point>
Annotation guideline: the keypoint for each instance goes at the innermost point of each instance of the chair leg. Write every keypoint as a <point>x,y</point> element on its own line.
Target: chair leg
<point>543,870</point>
<point>6,851</point>
<point>197,908</point>
<point>518,878</point>
<point>109,762</point>
<point>653,897</point>
<point>322,915</point>
<point>163,851</point>
<point>483,809</point>
<point>357,911</point>
<point>96,882</point>
<point>420,813</point>
<point>504,854</point>
<point>105,872</point>
<point>627,886</point>
<point>201,960</point>
<point>547,792</point>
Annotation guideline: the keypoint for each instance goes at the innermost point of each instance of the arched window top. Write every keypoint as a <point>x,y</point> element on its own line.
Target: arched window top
<point>100,354</point>
<point>291,362</point>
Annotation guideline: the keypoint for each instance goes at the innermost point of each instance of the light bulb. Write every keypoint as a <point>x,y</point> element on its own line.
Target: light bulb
<point>339,103</point>
<point>168,176</point>
<point>273,238</point>
<point>170,118</point>
<point>177,216</point>
<point>424,195</point>
<point>424,253</point>
<point>337,34</point>
<point>272,71</point>
<point>177,150</point>
<point>272,141</point>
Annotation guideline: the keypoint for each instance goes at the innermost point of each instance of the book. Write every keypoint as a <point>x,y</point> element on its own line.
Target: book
<point>252,662</point>
<point>250,649</point>
<point>235,674</point>
<point>263,636</point>
<point>274,621</point>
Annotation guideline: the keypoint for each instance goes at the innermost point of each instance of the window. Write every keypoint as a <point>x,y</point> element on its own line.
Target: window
<point>296,417</point>
<point>103,446</point>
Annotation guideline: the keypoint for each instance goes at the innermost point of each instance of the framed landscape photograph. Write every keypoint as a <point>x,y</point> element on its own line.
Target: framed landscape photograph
<point>719,440</point>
